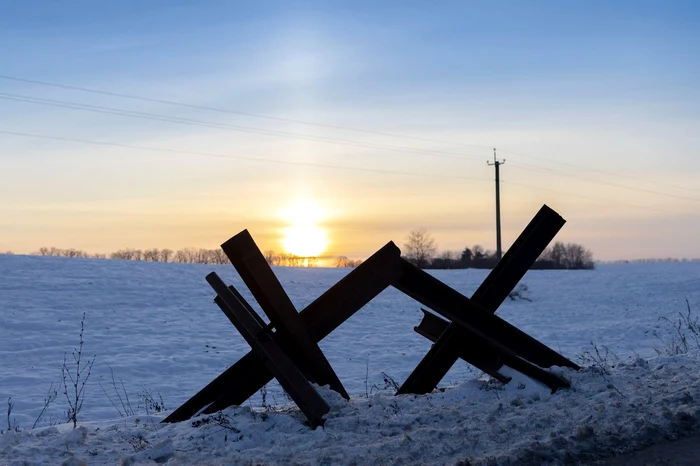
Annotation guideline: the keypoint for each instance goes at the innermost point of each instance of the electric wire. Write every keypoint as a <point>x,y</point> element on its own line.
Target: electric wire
<point>238,157</point>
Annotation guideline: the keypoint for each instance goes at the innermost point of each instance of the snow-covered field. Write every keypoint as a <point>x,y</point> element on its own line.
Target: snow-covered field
<point>155,328</point>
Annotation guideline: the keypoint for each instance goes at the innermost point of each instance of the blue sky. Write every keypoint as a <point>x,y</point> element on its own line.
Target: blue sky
<point>594,105</point>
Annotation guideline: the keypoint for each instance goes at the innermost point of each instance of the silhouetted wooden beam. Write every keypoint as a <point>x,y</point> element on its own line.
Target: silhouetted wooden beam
<point>245,303</point>
<point>243,379</point>
<point>529,245</point>
<point>469,315</point>
<point>257,274</point>
<point>433,326</point>
<point>487,361</point>
<point>269,352</point>
<point>493,291</point>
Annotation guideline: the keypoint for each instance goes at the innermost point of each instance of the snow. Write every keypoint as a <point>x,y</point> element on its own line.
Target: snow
<point>155,326</point>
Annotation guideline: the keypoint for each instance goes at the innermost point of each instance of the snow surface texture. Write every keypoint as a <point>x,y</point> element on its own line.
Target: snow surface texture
<point>155,325</point>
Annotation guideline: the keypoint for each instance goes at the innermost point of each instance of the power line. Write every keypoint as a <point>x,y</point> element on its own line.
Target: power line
<point>217,125</point>
<point>322,125</point>
<point>237,157</point>
<point>309,164</point>
<point>226,126</point>
<point>209,124</point>
<point>598,170</point>
<point>582,196</point>
<point>233,112</point>
<point>609,183</point>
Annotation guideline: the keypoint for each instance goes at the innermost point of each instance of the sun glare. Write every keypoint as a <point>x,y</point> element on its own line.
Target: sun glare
<point>304,236</point>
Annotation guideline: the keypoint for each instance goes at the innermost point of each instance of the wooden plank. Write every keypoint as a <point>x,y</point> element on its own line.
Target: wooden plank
<point>355,290</point>
<point>466,313</point>
<point>479,323</point>
<point>433,326</point>
<point>246,376</point>
<point>490,295</point>
<point>257,274</point>
<point>269,352</point>
<point>518,259</point>
<point>247,305</point>
<point>340,302</point>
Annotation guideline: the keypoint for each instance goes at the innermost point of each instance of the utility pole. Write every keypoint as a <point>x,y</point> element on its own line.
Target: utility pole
<point>496,163</point>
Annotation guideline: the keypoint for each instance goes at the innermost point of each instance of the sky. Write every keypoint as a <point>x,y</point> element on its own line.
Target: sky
<point>355,121</point>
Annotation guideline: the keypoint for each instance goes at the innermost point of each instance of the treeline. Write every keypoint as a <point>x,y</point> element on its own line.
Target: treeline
<point>651,259</point>
<point>570,256</point>
<point>290,260</point>
<point>192,256</point>
<point>184,256</point>
<point>420,249</point>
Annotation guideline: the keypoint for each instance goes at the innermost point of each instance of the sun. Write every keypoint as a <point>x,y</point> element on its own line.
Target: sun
<point>304,237</point>
<point>305,241</point>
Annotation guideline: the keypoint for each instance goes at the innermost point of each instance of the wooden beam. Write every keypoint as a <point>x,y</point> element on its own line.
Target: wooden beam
<point>269,352</point>
<point>340,302</point>
<point>487,361</point>
<point>245,303</point>
<point>515,263</point>
<point>489,296</point>
<point>469,315</point>
<point>433,326</point>
<point>257,274</point>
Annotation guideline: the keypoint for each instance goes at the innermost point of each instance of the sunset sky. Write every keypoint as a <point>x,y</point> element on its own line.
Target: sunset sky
<point>361,120</point>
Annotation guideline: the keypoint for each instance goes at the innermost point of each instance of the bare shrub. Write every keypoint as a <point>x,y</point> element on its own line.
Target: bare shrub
<point>50,397</point>
<point>78,374</point>
<point>685,334</point>
<point>124,408</point>
<point>12,425</point>
<point>151,403</point>
<point>602,362</point>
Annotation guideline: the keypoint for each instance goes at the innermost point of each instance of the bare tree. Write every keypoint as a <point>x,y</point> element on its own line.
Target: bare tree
<point>151,255</point>
<point>271,257</point>
<point>182,255</point>
<point>219,257</point>
<point>343,261</point>
<point>566,256</point>
<point>166,255</point>
<point>311,261</point>
<point>419,247</point>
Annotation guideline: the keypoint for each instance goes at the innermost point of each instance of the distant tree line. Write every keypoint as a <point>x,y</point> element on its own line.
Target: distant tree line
<point>185,256</point>
<point>344,262</point>
<point>290,260</point>
<point>649,260</point>
<point>192,256</point>
<point>420,249</point>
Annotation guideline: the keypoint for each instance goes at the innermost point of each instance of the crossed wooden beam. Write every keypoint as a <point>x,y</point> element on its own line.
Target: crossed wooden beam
<point>287,348</point>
